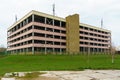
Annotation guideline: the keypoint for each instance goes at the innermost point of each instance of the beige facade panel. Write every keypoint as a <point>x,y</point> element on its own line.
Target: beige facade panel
<point>72,33</point>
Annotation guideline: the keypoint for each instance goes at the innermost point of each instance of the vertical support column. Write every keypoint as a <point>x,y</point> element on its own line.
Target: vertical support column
<point>60,24</point>
<point>23,23</point>
<point>17,27</point>
<point>27,50</point>
<point>110,44</point>
<point>53,36</point>
<point>88,42</point>
<point>60,50</point>
<point>93,50</point>
<point>7,39</point>
<point>20,51</point>
<point>97,50</point>
<point>33,18</point>
<point>27,21</point>
<point>45,43</point>
<point>33,52</point>
<point>17,51</point>
<point>45,20</point>
<point>33,41</point>
<point>23,49</point>
<point>84,50</point>
<point>20,25</point>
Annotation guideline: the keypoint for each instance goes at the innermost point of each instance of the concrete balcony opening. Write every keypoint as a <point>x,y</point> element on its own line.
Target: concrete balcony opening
<point>56,37</point>
<point>39,34</point>
<point>49,36</point>
<point>49,50</point>
<point>30,42</point>
<point>63,24</point>
<point>39,27</point>
<point>49,29</point>
<point>56,43</point>
<point>39,41</point>
<point>39,19</point>
<point>63,44</point>
<point>64,32</point>
<point>49,42</point>
<point>56,30</point>
<point>56,23</point>
<point>63,37</point>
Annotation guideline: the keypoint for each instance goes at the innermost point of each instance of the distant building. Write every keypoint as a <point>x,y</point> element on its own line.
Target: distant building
<point>40,32</point>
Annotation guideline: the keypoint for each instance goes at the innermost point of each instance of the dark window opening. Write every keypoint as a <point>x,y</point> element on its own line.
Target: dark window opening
<point>39,34</point>
<point>56,43</point>
<point>29,19</point>
<point>81,37</point>
<point>29,35</point>
<point>81,32</point>
<point>49,42</point>
<point>57,49</point>
<point>64,38</point>
<point>56,30</point>
<point>63,43</point>
<point>49,50</point>
<point>85,28</point>
<point>29,42</point>
<point>63,24</point>
<point>49,36</point>
<point>64,32</point>
<point>29,28</point>
<point>39,19</point>
<point>56,23</point>
<point>81,42</point>
<point>49,29</point>
<point>57,37</point>
<point>39,41</point>
<point>39,27</point>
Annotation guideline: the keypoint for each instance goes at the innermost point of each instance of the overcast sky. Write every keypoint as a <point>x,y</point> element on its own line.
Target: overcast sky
<point>91,12</point>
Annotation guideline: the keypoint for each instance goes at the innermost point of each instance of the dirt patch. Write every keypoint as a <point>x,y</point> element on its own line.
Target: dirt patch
<point>38,78</point>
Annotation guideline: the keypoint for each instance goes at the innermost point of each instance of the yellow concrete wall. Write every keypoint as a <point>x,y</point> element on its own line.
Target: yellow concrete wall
<point>72,33</point>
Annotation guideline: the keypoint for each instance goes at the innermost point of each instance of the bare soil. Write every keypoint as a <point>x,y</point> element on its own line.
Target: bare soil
<point>39,78</point>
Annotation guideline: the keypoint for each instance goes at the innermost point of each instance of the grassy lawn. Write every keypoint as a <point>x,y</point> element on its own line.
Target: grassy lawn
<point>18,63</point>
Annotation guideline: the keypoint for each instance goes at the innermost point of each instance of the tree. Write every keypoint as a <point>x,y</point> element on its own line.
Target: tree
<point>2,49</point>
<point>112,51</point>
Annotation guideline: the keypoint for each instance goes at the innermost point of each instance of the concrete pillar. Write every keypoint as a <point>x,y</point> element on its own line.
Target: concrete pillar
<point>53,22</point>
<point>27,50</point>
<point>33,50</point>
<point>45,43</point>
<point>45,48</point>
<point>45,20</point>
<point>60,51</point>
<point>20,25</point>
<point>27,21</point>
<point>33,19</point>
<point>60,24</point>
<point>23,23</point>
<point>33,41</point>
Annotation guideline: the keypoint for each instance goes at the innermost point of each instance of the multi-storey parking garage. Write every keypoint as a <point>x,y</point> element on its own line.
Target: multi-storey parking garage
<point>40,32</point>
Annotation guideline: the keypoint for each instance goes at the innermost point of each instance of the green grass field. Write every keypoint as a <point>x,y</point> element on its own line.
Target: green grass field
<point>19,63</point>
